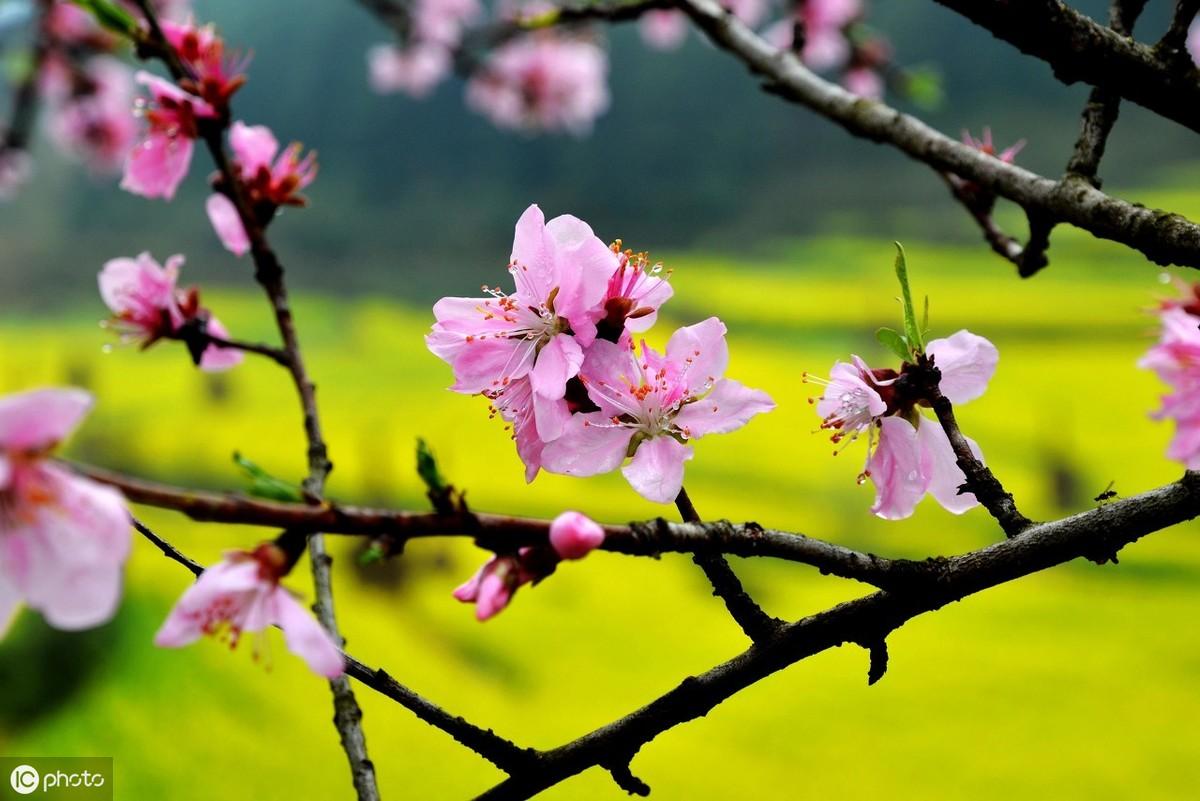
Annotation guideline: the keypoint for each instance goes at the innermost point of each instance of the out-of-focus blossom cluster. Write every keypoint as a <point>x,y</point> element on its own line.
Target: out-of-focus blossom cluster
<point>1175,359</point>
<point>559,360</point>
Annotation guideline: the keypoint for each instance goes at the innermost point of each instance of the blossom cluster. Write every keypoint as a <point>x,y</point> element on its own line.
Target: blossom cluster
<point>908,454</point>
<point>558,360</point>
<point>1175,359</point>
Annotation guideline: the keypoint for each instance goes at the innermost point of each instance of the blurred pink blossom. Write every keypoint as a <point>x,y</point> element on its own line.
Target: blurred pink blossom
<point>542,82</point>
<point>663,28</point>
<point>1175,359</point>
<point>414,70</point>
<point>96,125</point>
<point>63,539</point>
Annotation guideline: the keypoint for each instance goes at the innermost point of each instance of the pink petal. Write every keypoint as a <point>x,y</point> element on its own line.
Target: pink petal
<point>967,362</point>
<point>9,600</point>
<point>305,637</point>
<point>574,535</point>
<point>583,264</point>
<point>1185,445</point>
<point>701,351</point>
<point>550,417</point>
<point>557,362</point>
<point>225,221</point>
<point>727,408</point>
<point>590,444</point>
<point>494,596</point>
<point>41,418</point>
<point>897,470</point>
<point>656,471</point>
<point>233,580</point>
<point>607,365</point>
<point>254,146</point>
<point>468,592</point>
<point>217,359</point>
<point>663,29</point>
<point>481,363</point>
<point>157,165</point>
<point>943,473</point>
<point>532,257</point>
<point>6,471</point>
<point>75,549</point>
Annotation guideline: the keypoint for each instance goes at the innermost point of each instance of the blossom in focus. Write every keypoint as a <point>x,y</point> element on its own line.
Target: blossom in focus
<point>160,160</point>
<point>663,28</point>
<point>561,272</point>
<point>270,178</point>
<point>542,82</point>
<point>63,539</point>
<point>635,292</point>
<point>147,306</point>
<point>94,122</point>
<point>908,454</point>
<point>574,535</point>
<point>650,406</point>
<point>1175,359</point>
<point>242,593</point>
<point>414,70</point>
<point>493,585</point>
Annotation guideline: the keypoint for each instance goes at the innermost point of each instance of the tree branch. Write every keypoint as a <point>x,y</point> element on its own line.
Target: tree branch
<point>756,623</point>
<point>23,113</point>
<point>867,619</point>
<point>503,533</point>
<point>1162,237</point>
<point>1078,48</point>
<point>168,550</point>
<point>269,274</point>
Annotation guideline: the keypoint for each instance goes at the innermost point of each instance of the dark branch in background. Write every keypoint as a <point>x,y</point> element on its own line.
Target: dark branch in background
<point>1162,237</point>
<point>1172,47</point>
<point>503,533</point>
<point>23,113</point>
<point>269,274</point>
<point>868,619</point>
<point>756,623</point>
<point>1078,48</point>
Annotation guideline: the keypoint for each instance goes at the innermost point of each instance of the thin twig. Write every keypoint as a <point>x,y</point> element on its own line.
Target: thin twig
<point>756,623</point>
<point>269,274</point>
<point>168,550</point>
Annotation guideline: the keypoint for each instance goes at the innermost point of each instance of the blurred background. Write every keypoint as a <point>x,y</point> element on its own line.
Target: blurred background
<point>1076,684</point>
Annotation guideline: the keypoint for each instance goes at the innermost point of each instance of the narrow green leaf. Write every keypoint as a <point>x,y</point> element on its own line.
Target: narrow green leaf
<point>893,341</point>
<point>911,332</point>
<point>427,468</point>
<point>372,554</point>
<point>111,16</point>
<point>265,485</point>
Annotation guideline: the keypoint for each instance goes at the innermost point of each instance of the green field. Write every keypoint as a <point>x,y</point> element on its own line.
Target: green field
<point>1076,684</point>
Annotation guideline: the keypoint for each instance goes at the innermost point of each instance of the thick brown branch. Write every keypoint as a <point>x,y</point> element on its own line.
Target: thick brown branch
<point>756,623</point>
<point>1162,237</point>
<point>867,619</point>
<point>1078,48</point>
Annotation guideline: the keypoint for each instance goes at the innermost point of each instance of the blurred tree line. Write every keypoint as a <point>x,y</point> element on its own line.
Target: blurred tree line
<point>414,197</point>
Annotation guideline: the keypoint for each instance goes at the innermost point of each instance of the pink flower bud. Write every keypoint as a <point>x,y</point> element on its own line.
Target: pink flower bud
<point>575,535</point>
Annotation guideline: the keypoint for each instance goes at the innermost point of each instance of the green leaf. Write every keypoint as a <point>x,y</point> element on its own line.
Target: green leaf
<point>427,469</point>
<point>545,20</point>
<point>265,485</point>
<point>372,554</point>
<point>891,339</point>
<point>111,16</point>
<point>923,87</point>
<point>925,318</point>
<point>911,332</point>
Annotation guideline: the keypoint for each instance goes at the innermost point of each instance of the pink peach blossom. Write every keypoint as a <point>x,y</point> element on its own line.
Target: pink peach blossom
<point>148,306</point>
<point>160,161</point>
<point>241,593</point>
<point>1175,359</point>
<point>864,82</point>
<point>63,539</point>
<point>414,70</point>
<point>542,82</point>
<point>984,145</point>
<point>561,270</point>
<point>96,125</point>
<point>574,535</point>
<point>636,291</point>
<point>824,22</point>
<point>663,28</point>
<point>908,454</point>
<point>650,406</point>
<point>441,22</point>
<point>217,75</point>
<point>16,166</point>
<point>493,585</point>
